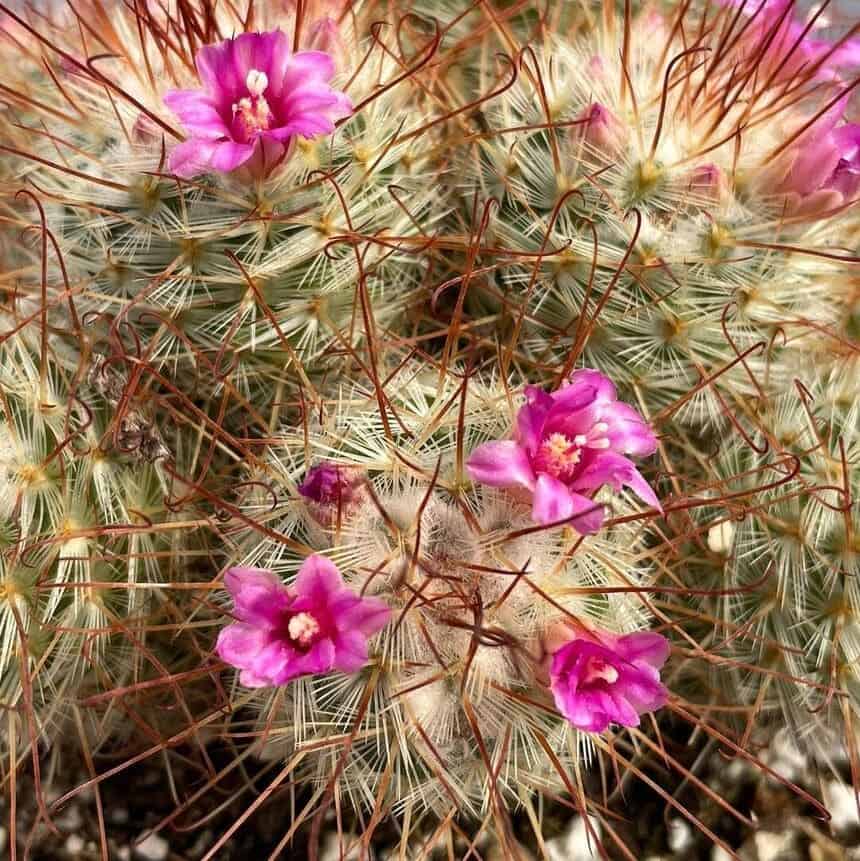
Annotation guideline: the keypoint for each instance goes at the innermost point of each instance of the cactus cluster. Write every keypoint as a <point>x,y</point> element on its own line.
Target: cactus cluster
<point>475,590</point>
<point>298,309</point>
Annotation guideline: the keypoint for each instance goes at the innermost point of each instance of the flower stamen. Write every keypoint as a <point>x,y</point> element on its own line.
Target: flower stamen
<point>599,670</point>
<point>303,628</point>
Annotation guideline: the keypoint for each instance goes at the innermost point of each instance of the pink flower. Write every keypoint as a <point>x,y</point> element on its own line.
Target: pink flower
<point>774,40</point>
<point>317,625</point>
<point>257,96</point>
<point>823,169</point>
<point>602,678</point>
<point>568,444</point>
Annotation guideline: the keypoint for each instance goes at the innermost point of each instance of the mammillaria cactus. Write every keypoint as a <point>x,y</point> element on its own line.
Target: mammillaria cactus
<point>491,615</point>
<point>433,414</point>
<point>672,201</point>
<point>204,253</point>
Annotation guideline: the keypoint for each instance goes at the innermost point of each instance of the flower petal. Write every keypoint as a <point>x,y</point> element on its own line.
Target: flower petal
<point>554,502</point>
<point>628,431</point>
<point>354,613</point>
<point>350,649</point>
<point>607,467</point>
<point>198,113</point>
<point>587,378</point>
<point>259,596</point>
<point>238,644</point>
<point>531,418</point>
<point>318,581</point>
<point>645,646</point>
<point>319,659</point>
<point>228,155</point>
<point>191,158</point>
<point>500,463</point>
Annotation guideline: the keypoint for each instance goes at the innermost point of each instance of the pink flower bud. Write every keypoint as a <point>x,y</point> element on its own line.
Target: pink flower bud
<point>709,180</point>
<point>601,128</point>
<point>332,491</point>
<point>324,35</point>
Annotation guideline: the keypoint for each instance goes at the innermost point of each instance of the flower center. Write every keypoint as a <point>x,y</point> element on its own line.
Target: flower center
<point>303,628</point>
<point>559,455</point>
<point>252,113</point>
<point>599,670</point>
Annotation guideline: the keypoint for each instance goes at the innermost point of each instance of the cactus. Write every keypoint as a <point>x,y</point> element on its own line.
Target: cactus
<point>85,525</point>
<point>301,346</point>
<point>653,217</point>
<point>261,274</point>
<point>447,715</point>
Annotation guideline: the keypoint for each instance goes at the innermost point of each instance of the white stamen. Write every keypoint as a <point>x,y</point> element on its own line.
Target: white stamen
<point>598,669</point>
<point>600,443</point>
<point>580,439</point>
<point>600,427</point>
<point>256,82</point>
<point>303,628</point>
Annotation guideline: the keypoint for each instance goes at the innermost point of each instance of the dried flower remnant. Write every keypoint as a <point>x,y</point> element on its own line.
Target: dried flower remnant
<point>317,625</point>
<point>331,490</point>
<point>568,444</point>
<point>601,679</point>
<point>257,97</point>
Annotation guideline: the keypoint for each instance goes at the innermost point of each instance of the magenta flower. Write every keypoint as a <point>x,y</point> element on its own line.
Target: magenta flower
<point>775,41</point>
<point>257,96</point>
<point>823,169</point>
<point>568,444</point>
<point>317,625</point>
<point>603,678</point>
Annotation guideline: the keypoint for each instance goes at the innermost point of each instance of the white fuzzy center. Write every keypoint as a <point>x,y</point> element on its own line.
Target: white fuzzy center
<point>303,627</point>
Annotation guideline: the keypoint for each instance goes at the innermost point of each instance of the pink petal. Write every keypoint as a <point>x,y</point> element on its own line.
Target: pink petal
<point>607,467</point>
<point>628,431</point>
<point>190,158</point>
<point>584,710</point>
<point>641,692</point>
<point>354,613</point>
<point>500,463</point>
<point>260,597</point>
<point>318,581</point>
<point>554,502</point>
<point>228,155</point>
<point>812,166</point>
<point>646,646</point>
<point>621,710</point>
<point>581,380</point>
<point>350,651</point>
<point>238,644</point>
<point>273,662</point>
<point>531,418</point>
<point>319,659</point>
<point>198,113</point>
